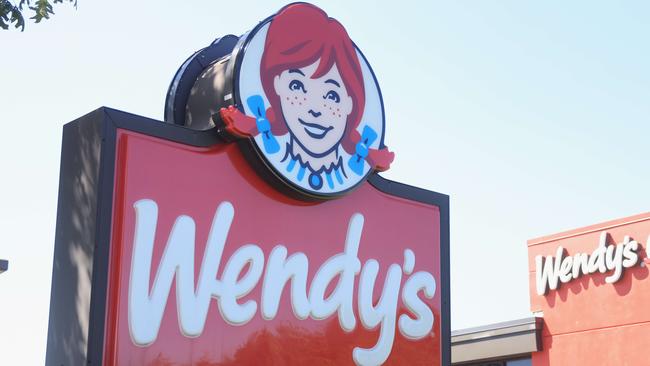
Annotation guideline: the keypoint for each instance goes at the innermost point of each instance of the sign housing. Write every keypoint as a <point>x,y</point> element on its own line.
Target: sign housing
<point>252,228</point>
<point>111,160</point>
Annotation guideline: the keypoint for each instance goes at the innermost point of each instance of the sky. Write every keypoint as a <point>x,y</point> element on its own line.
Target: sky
<point>534,117</point>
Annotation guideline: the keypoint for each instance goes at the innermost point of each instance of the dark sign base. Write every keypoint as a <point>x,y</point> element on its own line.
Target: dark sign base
<point>83,231</point>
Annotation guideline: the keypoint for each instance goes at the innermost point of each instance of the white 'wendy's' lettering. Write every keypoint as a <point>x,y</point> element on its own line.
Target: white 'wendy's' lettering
<point>551,271</point>
<point>147,301</point>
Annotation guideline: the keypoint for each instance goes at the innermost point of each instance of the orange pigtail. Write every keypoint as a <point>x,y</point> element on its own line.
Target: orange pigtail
<point>378,159</point>
<point>237,123</point>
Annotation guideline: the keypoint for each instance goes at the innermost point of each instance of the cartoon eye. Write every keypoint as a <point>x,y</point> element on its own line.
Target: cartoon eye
<point>297,85</point>
<point>332,95</point>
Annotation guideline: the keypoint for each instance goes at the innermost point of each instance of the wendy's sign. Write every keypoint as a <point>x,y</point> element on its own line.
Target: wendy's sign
<point>304,99</point>
<point>551,271</point>
<point>258,232</point>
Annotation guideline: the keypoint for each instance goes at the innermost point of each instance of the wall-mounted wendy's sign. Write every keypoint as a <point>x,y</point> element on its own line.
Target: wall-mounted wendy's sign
<point>300,94</point>
<point>607,258</point>
<point>258,232</point>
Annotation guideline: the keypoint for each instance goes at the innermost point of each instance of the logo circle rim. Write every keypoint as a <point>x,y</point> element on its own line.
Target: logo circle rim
<point>287,185</point>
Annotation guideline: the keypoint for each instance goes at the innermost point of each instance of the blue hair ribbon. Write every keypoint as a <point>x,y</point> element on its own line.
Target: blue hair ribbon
<point>368,136</point>
<point>256,105</point>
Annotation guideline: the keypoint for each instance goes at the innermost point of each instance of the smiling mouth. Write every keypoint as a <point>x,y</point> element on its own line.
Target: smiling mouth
<point>315,130</point>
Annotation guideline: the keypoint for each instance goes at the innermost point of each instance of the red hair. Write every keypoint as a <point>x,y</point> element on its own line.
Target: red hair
<point>299,35</point>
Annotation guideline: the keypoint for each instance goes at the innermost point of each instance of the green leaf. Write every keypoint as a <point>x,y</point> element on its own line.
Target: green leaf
<point>42,10</point>
<point>11,14</point>
<point>17,17</point>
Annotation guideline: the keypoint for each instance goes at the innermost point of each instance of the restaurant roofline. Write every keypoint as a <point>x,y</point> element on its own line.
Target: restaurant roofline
<point>511,339</point>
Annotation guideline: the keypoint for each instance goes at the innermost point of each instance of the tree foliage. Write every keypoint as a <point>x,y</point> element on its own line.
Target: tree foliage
<point>14,13</point>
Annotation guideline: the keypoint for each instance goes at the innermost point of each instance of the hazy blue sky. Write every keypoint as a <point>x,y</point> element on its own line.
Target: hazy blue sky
<point>533,116</point>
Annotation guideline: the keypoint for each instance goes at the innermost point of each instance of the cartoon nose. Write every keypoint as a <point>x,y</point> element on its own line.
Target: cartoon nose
<point>315,114</point>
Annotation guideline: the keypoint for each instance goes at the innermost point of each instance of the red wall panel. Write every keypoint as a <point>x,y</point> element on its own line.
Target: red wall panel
<point>588,321</point>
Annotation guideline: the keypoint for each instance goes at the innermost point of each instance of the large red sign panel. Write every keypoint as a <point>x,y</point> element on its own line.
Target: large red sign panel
<point>210,265</point>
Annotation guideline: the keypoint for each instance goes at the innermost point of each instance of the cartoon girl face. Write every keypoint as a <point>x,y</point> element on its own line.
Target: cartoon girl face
<point>313,112</point>
<point>316,110</point>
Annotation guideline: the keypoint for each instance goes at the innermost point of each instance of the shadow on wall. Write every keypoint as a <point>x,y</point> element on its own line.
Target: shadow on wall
<point>67,340</point>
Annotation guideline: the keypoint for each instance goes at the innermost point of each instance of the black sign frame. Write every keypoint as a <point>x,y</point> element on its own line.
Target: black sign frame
<point>86,191</point>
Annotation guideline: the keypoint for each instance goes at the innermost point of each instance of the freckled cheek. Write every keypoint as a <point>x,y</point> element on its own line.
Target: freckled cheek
<point>340,121</point>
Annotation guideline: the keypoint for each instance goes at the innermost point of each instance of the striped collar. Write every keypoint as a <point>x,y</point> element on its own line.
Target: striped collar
<point>332,175</point>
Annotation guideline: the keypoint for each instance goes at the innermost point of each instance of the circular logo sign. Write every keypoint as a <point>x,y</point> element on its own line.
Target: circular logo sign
<point>309,102</point>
